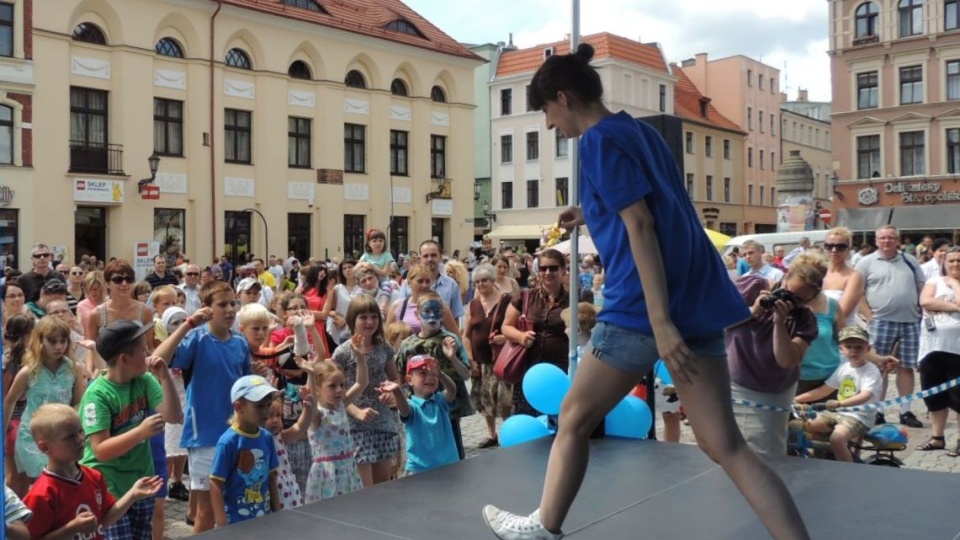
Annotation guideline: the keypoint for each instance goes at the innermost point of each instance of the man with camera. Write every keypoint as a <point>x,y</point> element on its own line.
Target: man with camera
<point>764,352</point>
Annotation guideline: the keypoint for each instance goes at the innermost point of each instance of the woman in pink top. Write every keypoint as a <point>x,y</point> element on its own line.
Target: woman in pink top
<point>405,309</point>
<point>315,289</point>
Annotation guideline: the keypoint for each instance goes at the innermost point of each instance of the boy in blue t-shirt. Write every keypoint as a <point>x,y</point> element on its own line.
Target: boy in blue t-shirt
<point>426,415</point>
<point>216,356</point>
<point>244,474</point>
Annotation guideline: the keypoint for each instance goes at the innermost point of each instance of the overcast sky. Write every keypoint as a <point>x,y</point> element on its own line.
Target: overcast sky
<point>789,35</point>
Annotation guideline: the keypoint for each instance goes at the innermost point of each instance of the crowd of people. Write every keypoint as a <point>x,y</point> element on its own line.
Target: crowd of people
<point>318,379</point>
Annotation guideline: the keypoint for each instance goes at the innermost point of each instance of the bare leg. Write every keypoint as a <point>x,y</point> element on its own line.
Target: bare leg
<point>366,474</point>
<point>159,520</point>
<point>192,507</point>
<point>939,421</point>
<point>838,443</point>
<point>175,465</point>
<point>381,471</point>
<point>671,427</point>
<point>204,520</point>
<point>491,426</point>
<point>706,401</point>
<point>905,378</point>
<point>596,389</point>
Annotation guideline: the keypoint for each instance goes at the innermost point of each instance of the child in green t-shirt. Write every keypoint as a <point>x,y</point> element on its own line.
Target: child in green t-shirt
<point>116,414</point>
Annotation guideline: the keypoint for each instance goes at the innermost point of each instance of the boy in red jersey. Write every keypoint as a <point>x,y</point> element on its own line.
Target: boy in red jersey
<point>70,500</point>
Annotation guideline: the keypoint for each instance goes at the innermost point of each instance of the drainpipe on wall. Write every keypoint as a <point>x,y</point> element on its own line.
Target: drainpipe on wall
<point>213,144</point>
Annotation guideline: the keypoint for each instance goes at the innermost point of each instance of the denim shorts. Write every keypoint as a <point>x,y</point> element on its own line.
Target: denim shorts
<point>634,352</point>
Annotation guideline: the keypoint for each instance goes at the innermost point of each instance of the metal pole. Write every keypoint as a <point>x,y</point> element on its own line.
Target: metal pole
<point>574,201</point>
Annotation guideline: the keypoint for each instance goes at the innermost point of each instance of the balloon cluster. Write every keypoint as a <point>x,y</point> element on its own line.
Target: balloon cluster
<point>545,386</point>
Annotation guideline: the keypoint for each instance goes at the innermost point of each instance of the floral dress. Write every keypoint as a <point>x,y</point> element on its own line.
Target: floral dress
<point>45,387</point>
<point>287,486</point>
<point>334,468</point>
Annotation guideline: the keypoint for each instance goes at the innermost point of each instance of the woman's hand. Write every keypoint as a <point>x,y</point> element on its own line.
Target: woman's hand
<point>570,218</point>
<point>338,320</point>
<point>367,415</point>
<point>528,339</point>
<point>498,339</point>
<point>674,352</point>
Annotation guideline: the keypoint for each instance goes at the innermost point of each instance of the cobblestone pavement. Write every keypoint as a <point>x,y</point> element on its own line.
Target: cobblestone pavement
<point>475,431</point>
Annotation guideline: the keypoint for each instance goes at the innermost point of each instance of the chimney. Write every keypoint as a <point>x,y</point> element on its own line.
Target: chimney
<point>804,95</point>
<point>511,40</point>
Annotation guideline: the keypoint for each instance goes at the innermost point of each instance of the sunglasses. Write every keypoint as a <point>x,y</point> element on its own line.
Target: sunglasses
<point>117,280</point>
<point>40,255</point>
<point>550,268</point>
<point>836,247</point>
<point>76,273</point>
<point>194,274</point>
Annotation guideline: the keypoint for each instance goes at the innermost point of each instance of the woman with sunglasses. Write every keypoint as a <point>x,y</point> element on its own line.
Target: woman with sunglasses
<point>842,283</point>
<point>74,288</point>
<point>120,279</point>
<point>548,342</point>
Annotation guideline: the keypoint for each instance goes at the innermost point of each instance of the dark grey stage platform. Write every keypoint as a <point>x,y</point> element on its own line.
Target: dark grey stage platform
<point>633,490</point>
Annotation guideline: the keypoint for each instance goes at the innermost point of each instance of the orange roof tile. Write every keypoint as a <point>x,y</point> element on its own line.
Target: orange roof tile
<point>368,17</point>
<point>605,45</point>
<point>686,104</point>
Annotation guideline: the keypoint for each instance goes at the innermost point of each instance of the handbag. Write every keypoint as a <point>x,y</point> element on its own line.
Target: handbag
<point>511,363</point>
<point>494,325</point>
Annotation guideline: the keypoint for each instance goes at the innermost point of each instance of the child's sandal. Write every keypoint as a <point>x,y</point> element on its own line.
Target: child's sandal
<point>936,442</point>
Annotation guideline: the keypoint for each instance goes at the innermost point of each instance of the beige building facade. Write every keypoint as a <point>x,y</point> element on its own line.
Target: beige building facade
<point>712,159</point>
<point>896,92</point>
<point>811,137</point>
<point>282,125</point>
<point>748,93</point>
<point>531,169</point>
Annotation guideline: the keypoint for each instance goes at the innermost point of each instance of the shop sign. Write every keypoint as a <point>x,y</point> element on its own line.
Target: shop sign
<point>921,192</point>
<point>143,254</point>
<point>97,191</point>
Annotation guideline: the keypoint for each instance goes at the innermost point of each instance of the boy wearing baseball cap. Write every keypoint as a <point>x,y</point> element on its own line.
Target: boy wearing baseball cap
<point>116,411</point>
<point>243,481</point>
<point>426,414</point>
<point>857,382</point>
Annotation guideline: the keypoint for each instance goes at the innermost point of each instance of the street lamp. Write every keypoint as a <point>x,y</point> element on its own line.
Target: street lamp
<point>486,212</point>
<point>441,183</point>
<point>154,162</point>
<point>266,231</point>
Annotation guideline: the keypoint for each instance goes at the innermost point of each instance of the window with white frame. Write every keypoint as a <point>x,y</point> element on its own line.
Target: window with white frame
<point>911,85</point>
<point>912,153</point>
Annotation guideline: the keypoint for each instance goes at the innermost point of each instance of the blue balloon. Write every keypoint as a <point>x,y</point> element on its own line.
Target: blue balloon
<point>545,386</point>
<point>631,419</point>
<point>660,371</point>
<point>521,428</point>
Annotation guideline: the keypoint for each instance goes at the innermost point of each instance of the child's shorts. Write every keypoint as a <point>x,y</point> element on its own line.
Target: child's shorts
<point>833,419</point>
<point>201,465</point>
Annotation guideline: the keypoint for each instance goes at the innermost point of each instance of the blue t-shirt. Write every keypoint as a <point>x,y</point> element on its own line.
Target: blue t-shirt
<point>215,365</point>
<point>243,463</point>
<point>430,441</point>
<point>622,161</point>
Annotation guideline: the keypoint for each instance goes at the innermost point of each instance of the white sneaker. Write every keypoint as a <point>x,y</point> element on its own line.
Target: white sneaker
<point>508,526</point>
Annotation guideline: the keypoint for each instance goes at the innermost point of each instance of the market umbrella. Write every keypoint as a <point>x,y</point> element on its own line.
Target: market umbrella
<point>718,239</point>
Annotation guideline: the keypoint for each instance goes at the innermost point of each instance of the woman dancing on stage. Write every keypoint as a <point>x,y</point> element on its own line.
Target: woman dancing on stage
<point>639,214</point>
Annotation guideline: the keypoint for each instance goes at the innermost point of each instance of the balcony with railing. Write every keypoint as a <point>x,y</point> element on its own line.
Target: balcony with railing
<point>99,158</point>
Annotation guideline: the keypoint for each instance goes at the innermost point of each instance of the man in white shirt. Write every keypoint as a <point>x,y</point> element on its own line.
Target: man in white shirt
<point>752,252</point>
<point>191,288</point>
<point>276,269</point>
<point>933,266</point>
<point>804,245</point>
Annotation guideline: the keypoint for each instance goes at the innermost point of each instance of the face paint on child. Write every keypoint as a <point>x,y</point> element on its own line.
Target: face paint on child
<point>431,314</point>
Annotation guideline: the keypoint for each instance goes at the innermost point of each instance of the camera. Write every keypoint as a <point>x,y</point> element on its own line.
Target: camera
<point>768,301</point>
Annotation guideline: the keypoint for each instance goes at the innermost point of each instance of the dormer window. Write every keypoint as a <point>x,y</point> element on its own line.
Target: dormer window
<point>403,26</point>
<point>305,4</point>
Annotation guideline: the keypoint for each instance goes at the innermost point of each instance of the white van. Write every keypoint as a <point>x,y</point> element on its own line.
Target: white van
<point>771,241</point>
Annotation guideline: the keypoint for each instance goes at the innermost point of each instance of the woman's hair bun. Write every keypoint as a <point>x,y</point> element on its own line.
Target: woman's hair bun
<point>584,51</point>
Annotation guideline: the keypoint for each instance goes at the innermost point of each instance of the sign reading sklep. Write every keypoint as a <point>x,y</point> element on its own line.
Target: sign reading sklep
<point>97,191</point>
<point>921,192</point>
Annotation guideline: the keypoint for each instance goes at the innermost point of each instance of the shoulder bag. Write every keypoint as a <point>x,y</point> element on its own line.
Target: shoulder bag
<point>511,363</point>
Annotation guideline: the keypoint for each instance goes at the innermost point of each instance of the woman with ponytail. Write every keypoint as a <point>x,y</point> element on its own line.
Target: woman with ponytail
<point>634,202</point>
